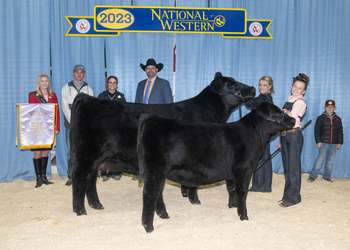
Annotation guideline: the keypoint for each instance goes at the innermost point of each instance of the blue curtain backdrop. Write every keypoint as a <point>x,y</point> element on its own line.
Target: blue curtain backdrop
<point>141,46</point>
<point>68,51</point>
<point>308,37</point>
<point>24,53</point>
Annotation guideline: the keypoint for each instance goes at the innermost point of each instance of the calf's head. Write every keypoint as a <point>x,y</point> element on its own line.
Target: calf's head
<point>232,92</point>
<point>274,114</point>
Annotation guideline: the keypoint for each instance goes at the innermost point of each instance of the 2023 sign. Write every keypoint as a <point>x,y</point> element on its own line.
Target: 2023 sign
<point>115,18</point>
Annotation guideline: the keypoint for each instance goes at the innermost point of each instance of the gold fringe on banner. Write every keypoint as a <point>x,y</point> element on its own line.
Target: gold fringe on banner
<point>36,146</point>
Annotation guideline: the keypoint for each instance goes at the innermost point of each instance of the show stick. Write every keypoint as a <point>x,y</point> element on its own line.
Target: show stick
<point>278,150</point>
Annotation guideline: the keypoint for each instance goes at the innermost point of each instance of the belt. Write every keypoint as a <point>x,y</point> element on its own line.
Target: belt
<point>283,133</point>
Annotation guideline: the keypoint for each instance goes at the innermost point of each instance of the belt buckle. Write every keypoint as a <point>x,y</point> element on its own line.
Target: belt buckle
<point>283,133</point>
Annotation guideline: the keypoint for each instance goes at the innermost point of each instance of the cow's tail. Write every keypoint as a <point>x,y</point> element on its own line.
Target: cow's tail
<point>140,148</point>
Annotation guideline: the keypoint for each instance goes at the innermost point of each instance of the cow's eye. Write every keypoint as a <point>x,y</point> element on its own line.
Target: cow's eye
<point>232,88</point>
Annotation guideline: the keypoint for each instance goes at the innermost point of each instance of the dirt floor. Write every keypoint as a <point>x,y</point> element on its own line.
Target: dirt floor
<point>42,218</point>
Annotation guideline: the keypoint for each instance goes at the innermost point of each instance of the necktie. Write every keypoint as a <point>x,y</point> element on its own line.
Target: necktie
<point>145,98</point>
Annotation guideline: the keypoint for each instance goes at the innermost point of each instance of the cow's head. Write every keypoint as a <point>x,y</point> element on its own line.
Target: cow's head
<point>274,114</point>
<point>232,92</point>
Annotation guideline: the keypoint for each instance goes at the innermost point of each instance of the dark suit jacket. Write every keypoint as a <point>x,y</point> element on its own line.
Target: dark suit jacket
<point>160,94</point>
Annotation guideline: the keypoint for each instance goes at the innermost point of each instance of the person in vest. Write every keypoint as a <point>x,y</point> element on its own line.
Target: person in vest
<point>292,142</point>
<point>43,94</point>
<point>111,94</point>
<point>69,92</point>
<point>329,138</point>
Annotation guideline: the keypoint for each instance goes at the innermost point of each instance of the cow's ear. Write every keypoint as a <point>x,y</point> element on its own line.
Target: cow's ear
<point>265,106</point>
<point>263,109</point>
<point>219,86</point>
<point>217,75</point>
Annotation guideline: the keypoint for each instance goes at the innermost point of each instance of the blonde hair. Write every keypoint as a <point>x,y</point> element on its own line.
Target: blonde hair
<point>49,89</point>
<point>269,80</point>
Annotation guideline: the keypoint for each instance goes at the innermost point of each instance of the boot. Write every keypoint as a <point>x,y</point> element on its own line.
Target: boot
<point>37,167</point>
<point>43,169</point>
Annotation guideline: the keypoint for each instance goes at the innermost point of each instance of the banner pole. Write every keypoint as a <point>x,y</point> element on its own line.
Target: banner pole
<point>174,60</point>
<point>18,107</point>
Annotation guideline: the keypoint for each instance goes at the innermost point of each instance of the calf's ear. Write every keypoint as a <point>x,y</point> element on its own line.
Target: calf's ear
<point>217,75</point>
<point>263,110</point>
<point>218,86</point>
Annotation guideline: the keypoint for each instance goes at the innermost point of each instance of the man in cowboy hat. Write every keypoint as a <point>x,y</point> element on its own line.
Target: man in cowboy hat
<point>153,90</point>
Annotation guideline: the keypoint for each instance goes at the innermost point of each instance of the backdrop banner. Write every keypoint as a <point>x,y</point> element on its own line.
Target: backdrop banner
<point>36,125</point>
<point>111,20</point>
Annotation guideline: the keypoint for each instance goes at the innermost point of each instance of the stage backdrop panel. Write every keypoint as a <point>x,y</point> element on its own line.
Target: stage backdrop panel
<point>69,51</point>
<point>308,37</point>
<point>24,53</point>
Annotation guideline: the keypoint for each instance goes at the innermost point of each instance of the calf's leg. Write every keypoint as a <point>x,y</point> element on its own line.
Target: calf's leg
<point>232,196</point>
<point>193,196</point>
<point>151,201</point>
<point>82,170</point>
<point>79,187</point>
<point>91,193</point>
<point>241,180</point>
<point>160,207</point>
<point>79,183</point>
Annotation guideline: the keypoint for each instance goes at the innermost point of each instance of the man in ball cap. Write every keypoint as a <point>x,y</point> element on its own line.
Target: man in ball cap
<point>69,91</point>
<point>329,138</point>
<point>153,90</point>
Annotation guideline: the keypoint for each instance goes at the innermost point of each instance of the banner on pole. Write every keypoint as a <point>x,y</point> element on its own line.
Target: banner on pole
<point>113,20</point>
<point>36,125</point>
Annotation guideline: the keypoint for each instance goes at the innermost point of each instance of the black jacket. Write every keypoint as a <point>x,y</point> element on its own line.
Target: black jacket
<point>118,96</point>
<point>329,129</point>
<point>253,103</point>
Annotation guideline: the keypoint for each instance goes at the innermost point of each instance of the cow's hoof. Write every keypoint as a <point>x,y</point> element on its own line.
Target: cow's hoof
<point>163,215</point>
<point>243,217</point>
<point>97,206</point>
<point>80,212</point>
<point>195,201</point>
<point>69,182</point>
<point>232,205</point>
<point>149,229</point>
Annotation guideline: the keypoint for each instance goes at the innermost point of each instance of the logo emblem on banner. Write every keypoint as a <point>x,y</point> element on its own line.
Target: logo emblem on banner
<point>255,28</point>
<point>82,26</point>
<point>113,20</point>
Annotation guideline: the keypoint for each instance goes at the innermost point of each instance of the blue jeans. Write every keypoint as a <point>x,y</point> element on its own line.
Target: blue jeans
<point>327,151</point>
<point>262,178</point>
<point>291,147</point>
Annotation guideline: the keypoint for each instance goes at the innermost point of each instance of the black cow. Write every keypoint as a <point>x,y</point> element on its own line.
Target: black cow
<point>198,153</point>
<point>105,132</point>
